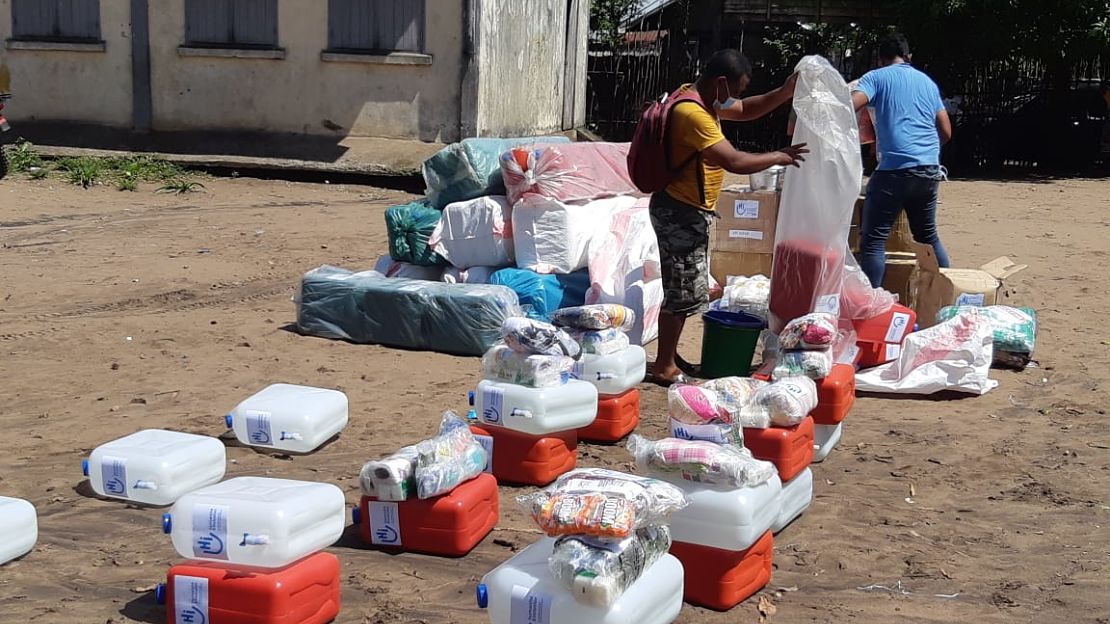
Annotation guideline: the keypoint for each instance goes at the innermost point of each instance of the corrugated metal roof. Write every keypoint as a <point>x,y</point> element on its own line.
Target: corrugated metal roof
<point>648,8</point>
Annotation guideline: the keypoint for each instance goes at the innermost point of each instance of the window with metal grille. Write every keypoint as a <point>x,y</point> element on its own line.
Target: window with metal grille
<point>231,23</point>
<point>56,20</point>
<point>376,25</point>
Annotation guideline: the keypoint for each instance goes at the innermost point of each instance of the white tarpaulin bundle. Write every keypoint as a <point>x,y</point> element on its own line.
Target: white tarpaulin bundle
<point>554,237</point>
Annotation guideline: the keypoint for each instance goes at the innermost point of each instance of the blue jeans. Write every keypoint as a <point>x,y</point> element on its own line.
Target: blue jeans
<point>888,194</point>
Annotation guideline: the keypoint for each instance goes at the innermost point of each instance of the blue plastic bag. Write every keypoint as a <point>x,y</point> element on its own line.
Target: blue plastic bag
<point>541,295</point>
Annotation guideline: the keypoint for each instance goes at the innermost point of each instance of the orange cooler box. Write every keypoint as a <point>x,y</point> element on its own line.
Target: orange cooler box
<point>617,416</point>
<point>450,525</point>
<point>835,395</point>
<point>306,592</point>
<point>891,327</point>
<point>790,449</point>
<point>721,579</point>
<point>526,459</point>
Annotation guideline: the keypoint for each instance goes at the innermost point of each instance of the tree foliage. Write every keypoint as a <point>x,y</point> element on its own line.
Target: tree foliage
<point>608,16</point>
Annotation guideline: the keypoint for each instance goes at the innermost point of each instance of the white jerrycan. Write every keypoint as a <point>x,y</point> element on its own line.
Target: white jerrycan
<point>296,419</point>
<point>536,411</point>
<point>825,439</point>
<point>256,521</point>
<point>727,519</point>
<point>19,528</point>
<point>795,498</point>
<point>522,590</point>
<point>615,373</point>
<point>154,466</point>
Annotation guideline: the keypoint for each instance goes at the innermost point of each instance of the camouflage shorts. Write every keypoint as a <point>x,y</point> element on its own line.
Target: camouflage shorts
<point>683,233</point>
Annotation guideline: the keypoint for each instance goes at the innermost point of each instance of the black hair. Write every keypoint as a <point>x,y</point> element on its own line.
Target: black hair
<point>728,63</point>
<point>894,46</point>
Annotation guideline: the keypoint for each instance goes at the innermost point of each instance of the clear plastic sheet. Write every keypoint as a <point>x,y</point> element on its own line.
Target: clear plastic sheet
<point>598,572</point>
<point>817,199</point>
<point>700,461</point>
<point>534,371</point>
<point>695,405</point>
<point>531,337</point>
<point>601,342</point>
<point>408,227</point>
<point>859,300</point>
<point>602,503</point>
<point>788,401</point>
<point>574,172</point>
<point>471,168</point>
<point>475,233</point>
<point>461,319</point>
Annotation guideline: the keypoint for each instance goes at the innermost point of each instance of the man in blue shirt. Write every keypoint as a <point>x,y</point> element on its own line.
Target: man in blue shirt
<point>911,124</point>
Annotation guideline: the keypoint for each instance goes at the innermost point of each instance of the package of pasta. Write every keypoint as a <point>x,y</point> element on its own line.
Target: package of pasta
<point>815,331</point>
<point>598,572</point>
<point>596,316</point>
<point>700,461</point>
<point>531,337</point>
<point>601,503</point>
<point>501,363</point>
<point>601,341</point>
<point>696,405</point>
<point>788,401</point>
<point>813,364</point>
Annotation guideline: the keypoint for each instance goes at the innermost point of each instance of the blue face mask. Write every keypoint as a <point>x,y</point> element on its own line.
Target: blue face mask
<point>729,101</point>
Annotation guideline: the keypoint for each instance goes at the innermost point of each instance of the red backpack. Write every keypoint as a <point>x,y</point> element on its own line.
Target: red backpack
<point>649,159</point>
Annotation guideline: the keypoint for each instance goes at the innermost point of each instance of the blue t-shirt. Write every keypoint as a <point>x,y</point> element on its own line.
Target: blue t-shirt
<point>906,103</point>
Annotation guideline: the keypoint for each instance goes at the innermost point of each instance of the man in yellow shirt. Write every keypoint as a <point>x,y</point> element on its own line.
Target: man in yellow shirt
<point>700,155</point>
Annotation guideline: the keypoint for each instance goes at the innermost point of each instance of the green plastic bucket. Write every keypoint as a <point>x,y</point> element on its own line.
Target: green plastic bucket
<point>728,343</point>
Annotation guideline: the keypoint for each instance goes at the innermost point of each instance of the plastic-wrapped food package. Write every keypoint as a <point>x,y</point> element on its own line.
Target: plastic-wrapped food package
<point>788,401</point>
<point>473,275</point>
<point>533,337</point>
<point>534,371</point>
<point>408,227</point>
<point>1015,331</point>
<point>746,294</point>
<point>696,405</point>
<point>573,172</point>
<point>815,213</point>
<point>471,168</point>
<point>859,300</point>
<point>700,461</point>
<point>554,237</point>
<point>813,332</point>
<point>715,432</point>
<point>601,342</point>
<point>595,317</point>
<point>475,232</point>
<point>388,267</point>
<point>624,269</point>
<point>541,295</point>
<point>449,459</point>
<point>737,396</point>
<point>597,572</point>
<point>461,319</point>
<point>602,503</point>
<point>813,364</point>
<point>429,468</point>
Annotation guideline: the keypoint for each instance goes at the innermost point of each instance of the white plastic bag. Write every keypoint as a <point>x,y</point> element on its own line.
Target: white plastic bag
<point>817,199</point>
<point>859,300</point>
<point>571,172</point>
<point>788,401</point>
<point>475,232</point>
<point>955,355</point>
<point>550,236</point>
<point>747,294</point>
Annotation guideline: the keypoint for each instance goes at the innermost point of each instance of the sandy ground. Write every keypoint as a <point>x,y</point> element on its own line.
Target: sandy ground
<point>121,311</point>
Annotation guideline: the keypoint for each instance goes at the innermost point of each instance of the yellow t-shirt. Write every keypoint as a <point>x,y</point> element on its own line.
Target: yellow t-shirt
<point>692,129</point>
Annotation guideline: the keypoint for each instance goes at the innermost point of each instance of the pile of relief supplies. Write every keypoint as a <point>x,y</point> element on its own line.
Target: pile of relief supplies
<point>508,227</point>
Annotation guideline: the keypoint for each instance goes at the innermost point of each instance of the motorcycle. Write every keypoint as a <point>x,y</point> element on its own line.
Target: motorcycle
<point>5,127</point>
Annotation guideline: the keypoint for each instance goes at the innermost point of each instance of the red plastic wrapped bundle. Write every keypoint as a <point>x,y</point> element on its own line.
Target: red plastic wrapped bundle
<point>806,277</point>
<point>568,172</point>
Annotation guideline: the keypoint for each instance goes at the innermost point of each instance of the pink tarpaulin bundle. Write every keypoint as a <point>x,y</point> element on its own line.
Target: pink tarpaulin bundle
<point>568,172</point>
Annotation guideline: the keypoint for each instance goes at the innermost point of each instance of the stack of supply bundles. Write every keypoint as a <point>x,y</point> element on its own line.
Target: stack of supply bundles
<point>471,168</point>
<point>576,172</point>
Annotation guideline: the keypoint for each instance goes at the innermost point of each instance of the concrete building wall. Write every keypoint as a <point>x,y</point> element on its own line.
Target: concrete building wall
<point>92,85</point>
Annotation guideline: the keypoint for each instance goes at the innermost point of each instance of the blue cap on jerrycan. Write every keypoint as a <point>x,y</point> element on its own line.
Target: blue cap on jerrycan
<point>472,415</point>
<point>229,421</point>
<point>85,467</point>
<point>481,594</point>
<point>356,515</point>
<point>167,523</point>
<point>160,593</point>
<point>470,398</point>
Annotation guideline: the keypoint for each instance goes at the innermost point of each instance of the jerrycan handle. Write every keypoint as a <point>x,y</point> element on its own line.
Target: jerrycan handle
<point>255,540</point>
<point>145,485</point>
<point>521,413</point>
<point>290,435</point>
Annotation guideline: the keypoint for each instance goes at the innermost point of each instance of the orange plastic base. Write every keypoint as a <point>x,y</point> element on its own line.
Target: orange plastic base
<point>790,449</point>
<point>530,460</point>
<point>721,579</point>
<point>450,525</point>
<point>306,592</point>
<point>836,394</point>
<point>891,327</point>
<point>617,416</point>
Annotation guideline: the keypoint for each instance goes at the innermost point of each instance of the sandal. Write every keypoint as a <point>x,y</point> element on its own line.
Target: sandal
<point>664,382</point>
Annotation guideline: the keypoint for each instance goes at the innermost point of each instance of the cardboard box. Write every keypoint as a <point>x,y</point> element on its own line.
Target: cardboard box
<point>932,288</point>
<point>900,240</point>
<point>899,270</point>
<point>723,264</point>
<point>747,221</point>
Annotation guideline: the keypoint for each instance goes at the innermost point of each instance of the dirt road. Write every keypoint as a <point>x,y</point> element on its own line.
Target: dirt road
<point>121,311</point>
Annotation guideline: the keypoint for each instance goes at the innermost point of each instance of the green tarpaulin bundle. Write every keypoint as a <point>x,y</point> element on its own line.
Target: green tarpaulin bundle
<point>1015,331</point>
<point>408,227</point>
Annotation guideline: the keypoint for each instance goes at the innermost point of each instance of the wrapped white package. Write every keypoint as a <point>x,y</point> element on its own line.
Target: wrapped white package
<point>475,232</point>
<point>747,294</point>
<point>787,401</point>
<point>554,237</point>
<point>624,269</point>
<point>955,355</point>
<point>389,267</point>
<point>473,275</point>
